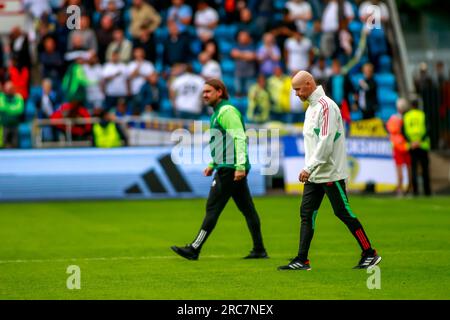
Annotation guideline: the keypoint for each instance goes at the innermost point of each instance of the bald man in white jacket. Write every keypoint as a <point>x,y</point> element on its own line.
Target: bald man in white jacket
<point>325,172</point>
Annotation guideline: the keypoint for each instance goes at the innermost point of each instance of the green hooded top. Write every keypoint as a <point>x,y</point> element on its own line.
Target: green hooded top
<point>228,142</point>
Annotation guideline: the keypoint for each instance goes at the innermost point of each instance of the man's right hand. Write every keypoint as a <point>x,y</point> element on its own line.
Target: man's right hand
<point>208,171</point>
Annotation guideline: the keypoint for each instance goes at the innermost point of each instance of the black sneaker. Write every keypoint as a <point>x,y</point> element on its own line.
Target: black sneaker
<point>296,264</point>
<point>187,252</point>
<point>257,255</point>
<point>368,261</point>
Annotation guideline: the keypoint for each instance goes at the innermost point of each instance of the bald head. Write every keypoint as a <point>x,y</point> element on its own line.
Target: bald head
<point>304,84</point>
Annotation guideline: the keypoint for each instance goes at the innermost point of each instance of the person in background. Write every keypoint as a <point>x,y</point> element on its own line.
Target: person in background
<point>107,133</point>
<point>47,101</point>
<point>416,131</point>
<point>186,93</point>
<point>11,112</point>
<point>269,55</point>
<point>73,110</point>
<point>279,88</point>
<point>104,36</point>
<point>210,68</point>
<point>367,93</point>
<point>321,72</point>
<point>138,72</point>
<point>150,95</point>
<point>143,15</point>
<point>245,57</point>
<point>115,77</point>
<point>120,44</point>
<point>19,74</point>
<point>206,20</point>
<point>181,14</point>
<point>258,101</point>
<point>94,95</point>
<point>297,52</point>
<point>399,143</point>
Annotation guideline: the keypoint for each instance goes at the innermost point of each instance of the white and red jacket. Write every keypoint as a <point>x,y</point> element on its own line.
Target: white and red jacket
<point>324,138</point>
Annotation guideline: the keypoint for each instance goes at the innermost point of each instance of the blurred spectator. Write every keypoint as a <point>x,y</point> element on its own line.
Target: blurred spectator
<point>258,101</point>
<point>121,45</point>
<point>51,61</point>
<point>102,5</point>
<point>186,93</point>
<point>375,14</point>
<point>321,72</point>
<point>423,81</point>
<point>298,49</point>
<point>115,76</point>
<point>339,86</point>
<point>440,74</point>
<point>181,14</point>
<point>104,36</point>
<point>245,56</point>
<point>143,16</point>
<point>150,95</point>
<point>279,87</point>
<point>73,110</point>
<point>333,14</point>
<point>11,111</point>
<point>400,146</point>
<point>263,12</point>
<point>269,55</point>
<point>2,62</point>
<point>107,133</point>
<point>210,68</point>
<point>206,20</point>
<point>61,32</point>
<point>138,71</point>
<point>78,47</point>
<point>416,131</point>
<point>176,47</point>
<point>87,34</point>
<point>146,41</point>
<point>20,77</point>
<point>232,10</point>
<point>247,23</point>
<point>367,93</point>
<point>283,29</point>
<point>75,81</point>
<point>94,95</point>
<point>300,13</point>
<point>211,48</point>
<point>46,101</point>
<point>372,12</point>
<point>114,10</point>
<point>19,47</point>
<point>37,8</point>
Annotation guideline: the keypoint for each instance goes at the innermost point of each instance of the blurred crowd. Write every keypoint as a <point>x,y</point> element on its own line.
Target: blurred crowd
<point>150,58</point>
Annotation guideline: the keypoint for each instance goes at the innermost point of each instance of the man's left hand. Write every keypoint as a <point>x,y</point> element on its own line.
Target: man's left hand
<point>239,175</point>
<point>304,176</point>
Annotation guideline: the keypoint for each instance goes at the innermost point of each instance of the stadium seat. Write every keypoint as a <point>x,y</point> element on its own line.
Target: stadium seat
<point>227,66</point>
<point>385,113</point>
<point>385,80</point>
<point>385,63</point>
<point>225,32</point>
<point>386,97</point>
<point>161,33</point>
<point>228,80</point>
<point>356,115</point>
<point>30,110</point>
<point>166,109</point>
<point>25,135</point>
<point>225,47</point>
<point>197,66</point>
<point>279,4</point>
<point>355,79</point>
<point>355,27</point>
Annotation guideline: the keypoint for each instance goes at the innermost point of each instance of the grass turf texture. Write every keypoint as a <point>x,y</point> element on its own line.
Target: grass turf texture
<point>122,248</point>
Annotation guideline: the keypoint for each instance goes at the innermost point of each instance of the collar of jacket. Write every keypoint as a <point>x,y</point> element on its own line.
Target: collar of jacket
<point>316,95</point>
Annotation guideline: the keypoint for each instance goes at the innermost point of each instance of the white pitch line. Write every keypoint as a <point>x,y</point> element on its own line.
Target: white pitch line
<point>95,259</point>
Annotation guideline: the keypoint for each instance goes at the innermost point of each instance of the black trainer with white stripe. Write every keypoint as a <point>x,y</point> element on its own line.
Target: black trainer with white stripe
<point>296,264</point>
<point>187,252</point>
<point>368,261</point>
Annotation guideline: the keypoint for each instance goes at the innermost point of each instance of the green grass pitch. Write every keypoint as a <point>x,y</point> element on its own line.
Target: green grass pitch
<point>123,250</point>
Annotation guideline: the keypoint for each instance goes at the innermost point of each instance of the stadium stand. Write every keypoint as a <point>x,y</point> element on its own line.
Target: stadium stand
<point>364,47</point>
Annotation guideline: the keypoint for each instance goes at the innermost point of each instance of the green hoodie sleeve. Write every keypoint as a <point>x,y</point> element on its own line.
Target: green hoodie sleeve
<point>230,119</point>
